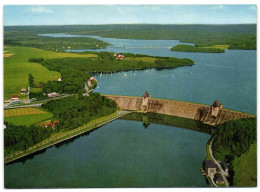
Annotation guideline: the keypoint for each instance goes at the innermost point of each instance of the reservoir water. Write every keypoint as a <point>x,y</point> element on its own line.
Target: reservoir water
<point>126,154</point>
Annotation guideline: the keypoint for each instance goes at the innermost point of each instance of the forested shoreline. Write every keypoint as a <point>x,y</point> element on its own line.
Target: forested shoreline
<point>237,36</point>
<point>76,71</point>
<point>70,113</point>
<point>233,141</point>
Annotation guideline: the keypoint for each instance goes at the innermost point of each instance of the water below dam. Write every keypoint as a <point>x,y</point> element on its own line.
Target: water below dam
<point>124,153</point>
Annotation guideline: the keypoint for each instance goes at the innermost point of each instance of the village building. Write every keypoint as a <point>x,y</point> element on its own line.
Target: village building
<point>211,168</point>
<point>146,97</point>
<point>215,108</point>
<point>23,91</point>
<point>53,94</point>
<point>119,56</point>
<point>60,79</point>
<point>219,179</point>
<point>52,125</point>
<point>38,85</point>
<point>15,97</point>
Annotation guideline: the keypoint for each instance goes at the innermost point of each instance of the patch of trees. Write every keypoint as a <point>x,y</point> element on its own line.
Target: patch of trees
<point>36,60</point>
<point>17,138</point>
<point>73,112</point>
<point>234,138</point>
<point>190,48</point>
<point>31,80</point>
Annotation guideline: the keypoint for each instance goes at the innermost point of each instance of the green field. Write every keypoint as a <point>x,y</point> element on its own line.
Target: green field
<point>245,168</point>
<point>26,116</point>
<point>190,48</point>
<point>223,47</point>
<point>22,111</point>
<point>17,67</point>
<point>28,119</point>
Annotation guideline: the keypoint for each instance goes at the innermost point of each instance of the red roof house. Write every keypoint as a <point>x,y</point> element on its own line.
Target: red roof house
<point>15,97</point>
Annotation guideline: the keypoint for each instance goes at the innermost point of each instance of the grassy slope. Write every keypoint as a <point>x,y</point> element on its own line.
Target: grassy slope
<point>17,68</point>
<point>223,47</point>
<point>245,168</point>
<point>26,116</point>
<point>22,111</point>
<point>28,119</point>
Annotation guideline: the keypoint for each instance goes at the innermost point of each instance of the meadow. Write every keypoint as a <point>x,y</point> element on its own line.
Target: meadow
<point>190,48</point>
<point>26,116</point>
<point>17,67</point>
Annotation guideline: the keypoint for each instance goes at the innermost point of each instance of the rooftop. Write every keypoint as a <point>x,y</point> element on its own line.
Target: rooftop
<point>210,164</point>
<point>146,94</point>
<point>219,177</point>
<point>216,104</point>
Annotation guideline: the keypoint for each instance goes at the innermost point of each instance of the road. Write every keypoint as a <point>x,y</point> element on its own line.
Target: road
<point>36,104</point>
<point>216,162</point>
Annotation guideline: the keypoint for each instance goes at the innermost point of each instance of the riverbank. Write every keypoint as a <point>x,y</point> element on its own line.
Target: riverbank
<point>60,137</point>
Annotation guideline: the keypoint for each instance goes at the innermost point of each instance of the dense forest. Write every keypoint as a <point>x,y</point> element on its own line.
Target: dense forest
<point>190,48</point>
<point>237,36</point>
<point>233,139</point>
<point>17,138</point>
<point>71,112</point>
<point>76,71</point>
<point>30,39</point>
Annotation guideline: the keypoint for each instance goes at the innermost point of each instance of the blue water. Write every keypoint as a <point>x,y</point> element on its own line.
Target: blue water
<point>119,154</point>
<point>125,154</point>
<point>229,77</point>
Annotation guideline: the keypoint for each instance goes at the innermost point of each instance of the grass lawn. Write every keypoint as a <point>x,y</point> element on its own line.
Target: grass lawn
<point>36,90</point>
<point>17,67</point>
<point>28,119</point>
<point>143,59</point>
<point>245,168</point>
<point>22,111</point>
<point>26,116</point>
<point>223,47</point>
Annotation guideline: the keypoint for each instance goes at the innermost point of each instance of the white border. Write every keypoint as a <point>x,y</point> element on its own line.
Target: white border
<point>114,2</point>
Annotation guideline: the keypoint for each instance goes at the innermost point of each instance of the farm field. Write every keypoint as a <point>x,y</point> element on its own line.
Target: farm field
<point>223,47</point>
<point>17,67</point>
<point>22,111</point>
<point>25,116</point>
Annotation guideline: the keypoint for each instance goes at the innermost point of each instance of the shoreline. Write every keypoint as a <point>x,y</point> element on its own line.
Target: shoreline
<point>66,135</point>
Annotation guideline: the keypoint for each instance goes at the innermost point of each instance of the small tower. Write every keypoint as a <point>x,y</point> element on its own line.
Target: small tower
<point>215,108</point>
<point>146,97</point>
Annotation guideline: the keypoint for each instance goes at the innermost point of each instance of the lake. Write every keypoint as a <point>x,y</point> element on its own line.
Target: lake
<point>126,154</point>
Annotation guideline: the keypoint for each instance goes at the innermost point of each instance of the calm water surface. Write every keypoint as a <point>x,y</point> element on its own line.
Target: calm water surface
<point>125,154</point>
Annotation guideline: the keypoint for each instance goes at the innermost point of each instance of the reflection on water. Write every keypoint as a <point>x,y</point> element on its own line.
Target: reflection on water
<point>122,153</point>
<point>148,118</point>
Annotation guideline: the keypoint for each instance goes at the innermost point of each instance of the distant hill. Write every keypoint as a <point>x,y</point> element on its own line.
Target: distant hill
<point>237,36</point>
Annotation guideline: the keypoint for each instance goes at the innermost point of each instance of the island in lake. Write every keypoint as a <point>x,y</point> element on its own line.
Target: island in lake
<point>129,105</point>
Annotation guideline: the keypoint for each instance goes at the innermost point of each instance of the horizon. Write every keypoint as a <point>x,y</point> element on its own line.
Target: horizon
<point>131,24</point>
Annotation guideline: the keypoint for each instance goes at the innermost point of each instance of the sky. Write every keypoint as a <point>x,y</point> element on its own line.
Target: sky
<point>123,14</point>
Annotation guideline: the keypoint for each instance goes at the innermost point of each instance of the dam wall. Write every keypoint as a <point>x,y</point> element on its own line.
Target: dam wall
<point>178,108</point>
